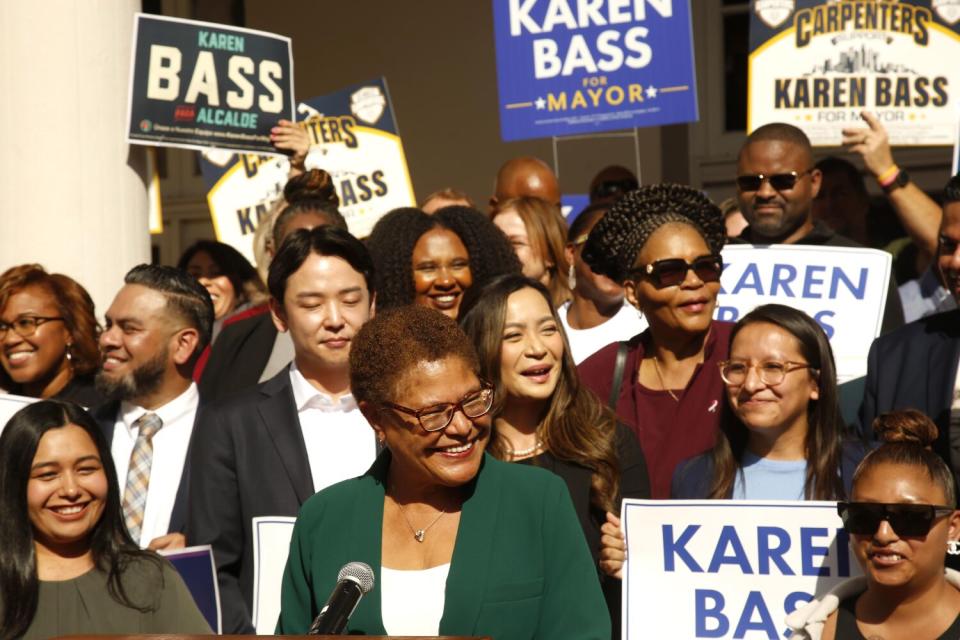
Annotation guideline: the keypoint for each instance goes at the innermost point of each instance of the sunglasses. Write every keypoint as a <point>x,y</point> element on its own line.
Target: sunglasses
<point>779,181</point>
<point>673,271</point>
<point>907,520</point>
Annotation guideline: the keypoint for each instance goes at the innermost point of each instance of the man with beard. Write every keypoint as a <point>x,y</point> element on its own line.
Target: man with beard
<point>157,325</point>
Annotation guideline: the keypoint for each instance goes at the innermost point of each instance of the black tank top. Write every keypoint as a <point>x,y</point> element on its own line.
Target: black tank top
<point>847,623</point>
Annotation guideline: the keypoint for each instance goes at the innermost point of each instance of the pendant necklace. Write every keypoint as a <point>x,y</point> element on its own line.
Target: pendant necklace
<point>418,534</point>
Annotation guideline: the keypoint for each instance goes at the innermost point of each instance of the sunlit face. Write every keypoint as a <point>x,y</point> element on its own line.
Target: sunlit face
<point>590,285</point>
<point>534,265</point>
<point>685,308</point>
<point>948,251</point>
<point>325,303</point>
<point>202,267</point>
<point>67,489</point>
<point>449,457</point>
<point>441,271</point>
<point>39,358</point>
<point>531,353</point>
<point>771,411</point>
<point>776,216</point>
<point>887,559</point>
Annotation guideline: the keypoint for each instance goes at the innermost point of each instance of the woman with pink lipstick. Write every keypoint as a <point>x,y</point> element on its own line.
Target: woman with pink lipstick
<point>544,416</point>
<point>48,336</point>
<point>662,243</point>
<point>67,563</point>
<point>902,520</point>
<point>431,260</point>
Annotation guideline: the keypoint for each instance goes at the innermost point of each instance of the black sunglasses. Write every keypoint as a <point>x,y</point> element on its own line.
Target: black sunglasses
<point>779,181</point>
<point>907,520</point>
<point>673,271</point>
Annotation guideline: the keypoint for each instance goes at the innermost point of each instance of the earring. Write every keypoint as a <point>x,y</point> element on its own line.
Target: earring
<point>571,278</point>
<point>953,547</point>
<point>69,352</point>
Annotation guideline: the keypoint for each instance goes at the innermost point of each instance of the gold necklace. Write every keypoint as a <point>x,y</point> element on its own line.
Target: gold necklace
<point>656,367</point>
<point>418,533</point>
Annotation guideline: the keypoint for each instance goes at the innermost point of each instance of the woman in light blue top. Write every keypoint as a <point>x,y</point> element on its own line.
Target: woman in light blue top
<point>781,435</point>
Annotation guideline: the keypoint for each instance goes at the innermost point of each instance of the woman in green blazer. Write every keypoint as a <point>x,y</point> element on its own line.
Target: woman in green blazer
<point>461,543</point>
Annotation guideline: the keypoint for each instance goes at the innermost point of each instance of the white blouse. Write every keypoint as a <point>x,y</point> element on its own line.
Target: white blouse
<point>411,602</point>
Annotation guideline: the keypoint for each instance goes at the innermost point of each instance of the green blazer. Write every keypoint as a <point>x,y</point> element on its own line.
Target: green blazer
<point>520,568</point>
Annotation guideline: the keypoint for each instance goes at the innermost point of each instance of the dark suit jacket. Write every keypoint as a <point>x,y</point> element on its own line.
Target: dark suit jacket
<point>249,460</point>
<point>520,566</point>
<point>915,367</point>
<point>238,357</point>
<point>106,417</point>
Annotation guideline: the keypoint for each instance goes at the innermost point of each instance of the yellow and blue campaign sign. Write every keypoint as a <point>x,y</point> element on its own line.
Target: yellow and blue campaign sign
<point>569,67</point>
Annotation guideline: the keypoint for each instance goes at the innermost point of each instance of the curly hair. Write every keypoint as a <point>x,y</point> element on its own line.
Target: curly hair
<point>74,305</point>
<point>393,238</point>
<point>620,235</point>
<point>394,341</point>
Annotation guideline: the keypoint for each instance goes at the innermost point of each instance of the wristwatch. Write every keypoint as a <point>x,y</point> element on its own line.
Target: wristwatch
<point>901,180</point>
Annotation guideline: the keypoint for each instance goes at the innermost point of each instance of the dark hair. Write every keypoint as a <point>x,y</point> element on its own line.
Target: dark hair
<point>309,192</point>
<point>325,241</point>
<point>832,165</point>
<point>617,239</point>
<point>951,192</point>
<point>394,341</point>
<point>242,275</point>
<point>184,294</point>
<point>110,544</point>
<point>74,305</point>
<point>780,132</point>
<point>823,446</point>
<point>395,235</point>
<point>575,427</point>
<point>906,438</point>
<point>589,214</point>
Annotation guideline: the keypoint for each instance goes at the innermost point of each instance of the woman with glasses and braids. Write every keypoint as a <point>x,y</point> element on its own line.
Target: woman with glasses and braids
<point>781,434</point>
<point>902,520</point>
<point>662,243</point>
<point>48,336</point>
<point>461,544</point>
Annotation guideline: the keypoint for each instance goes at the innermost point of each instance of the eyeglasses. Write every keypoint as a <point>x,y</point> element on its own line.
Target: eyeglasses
<point>779,181</point>
<point>771,372</point>
<point>439,416</point>
<point>25,326</point>
<point>673,271</point>
<point>907,520</point>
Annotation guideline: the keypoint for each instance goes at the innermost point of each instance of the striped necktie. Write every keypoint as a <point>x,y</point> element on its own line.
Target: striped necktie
<point>138,474</point>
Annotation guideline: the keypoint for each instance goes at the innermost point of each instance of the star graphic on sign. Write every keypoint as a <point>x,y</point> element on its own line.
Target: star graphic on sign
<point>541,104</point>
<point>651,92</point>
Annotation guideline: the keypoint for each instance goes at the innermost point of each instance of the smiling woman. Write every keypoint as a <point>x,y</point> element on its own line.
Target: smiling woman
<point>67,563</point>
<point>462,543</point>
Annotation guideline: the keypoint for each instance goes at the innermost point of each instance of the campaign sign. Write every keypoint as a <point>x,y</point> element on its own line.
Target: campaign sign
<point>354,138</point>
<point>817,64</point>
<point>199,84</point>
<point>727,568</point>
<point>199,572</point>
<point>843,289</point>
<point>566,67</point>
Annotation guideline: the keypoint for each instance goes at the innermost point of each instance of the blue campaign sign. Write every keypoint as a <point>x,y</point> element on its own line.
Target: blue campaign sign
<point>568,67</point>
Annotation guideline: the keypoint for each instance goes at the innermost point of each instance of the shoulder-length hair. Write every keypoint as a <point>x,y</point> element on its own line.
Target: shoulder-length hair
<point>547,231</point>
<point>74,305</point>
<point>111,545</point>
<point>824,440</point>
<point>243,276</point>
<point>575,427</point>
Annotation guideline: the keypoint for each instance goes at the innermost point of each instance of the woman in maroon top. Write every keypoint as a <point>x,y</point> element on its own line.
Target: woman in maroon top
<point>663,243</point>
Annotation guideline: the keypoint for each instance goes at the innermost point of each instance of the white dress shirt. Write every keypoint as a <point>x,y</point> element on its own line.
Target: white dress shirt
<point>169,456</point>
<point>411,602</point>
<point>340,443</point>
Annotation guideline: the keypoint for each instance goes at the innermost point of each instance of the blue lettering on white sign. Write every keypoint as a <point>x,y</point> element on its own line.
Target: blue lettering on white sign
<point>784,282</point>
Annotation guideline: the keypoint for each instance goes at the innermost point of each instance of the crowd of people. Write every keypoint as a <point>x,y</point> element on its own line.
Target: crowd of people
<point>463,399</point>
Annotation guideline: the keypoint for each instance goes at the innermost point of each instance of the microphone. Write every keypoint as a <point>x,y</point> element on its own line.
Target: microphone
<point>353,582</point>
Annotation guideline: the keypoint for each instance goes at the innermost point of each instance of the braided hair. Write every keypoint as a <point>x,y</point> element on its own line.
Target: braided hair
<point>395,235</point>
<point>619,236</point>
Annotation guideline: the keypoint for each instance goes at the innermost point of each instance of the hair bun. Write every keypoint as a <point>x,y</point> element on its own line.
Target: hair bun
<point>909,426</point>
<point>314,185</point>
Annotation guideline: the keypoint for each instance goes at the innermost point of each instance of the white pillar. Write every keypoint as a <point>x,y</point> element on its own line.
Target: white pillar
<point>72,192</point>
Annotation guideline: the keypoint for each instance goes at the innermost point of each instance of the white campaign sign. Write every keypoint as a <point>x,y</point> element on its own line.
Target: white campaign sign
<point>727,568</point>
<point>844,289</point>
<point>271,546</point>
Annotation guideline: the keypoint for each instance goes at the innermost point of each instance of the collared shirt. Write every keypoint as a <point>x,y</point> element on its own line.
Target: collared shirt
<point>169,456</point>
<point>924,296</point>
<point>340,443</point>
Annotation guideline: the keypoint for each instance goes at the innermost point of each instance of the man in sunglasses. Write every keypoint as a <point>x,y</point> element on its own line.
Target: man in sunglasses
<point>776,184</point>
